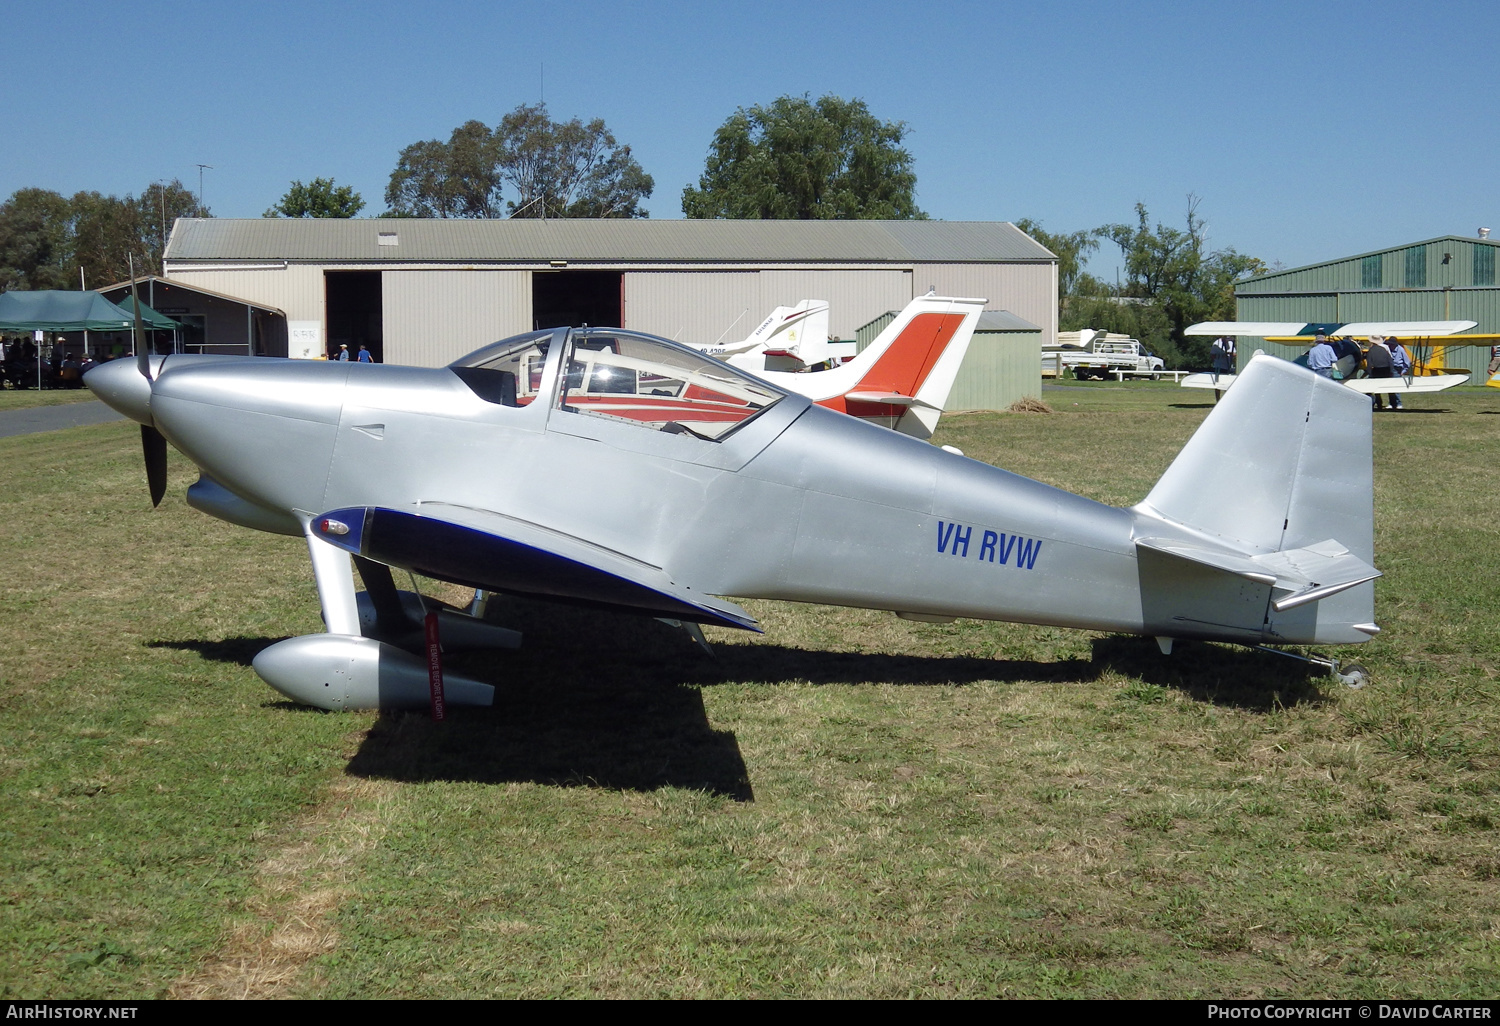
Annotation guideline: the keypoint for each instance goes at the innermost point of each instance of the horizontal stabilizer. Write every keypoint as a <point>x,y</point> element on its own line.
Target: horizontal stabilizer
<point>1219,559</point>
<point>481,549</point>
<point>888,398</point>
<point>1314,572</point>
<point>1301,575</point>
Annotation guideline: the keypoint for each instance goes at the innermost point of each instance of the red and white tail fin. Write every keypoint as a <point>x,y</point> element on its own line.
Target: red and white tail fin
<point>903,378</point>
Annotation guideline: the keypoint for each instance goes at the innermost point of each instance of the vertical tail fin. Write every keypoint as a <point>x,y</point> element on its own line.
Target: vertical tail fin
<point>1277,487</point>
<point>903,378</point>
<point>804,332</point>
<point>800,329</point>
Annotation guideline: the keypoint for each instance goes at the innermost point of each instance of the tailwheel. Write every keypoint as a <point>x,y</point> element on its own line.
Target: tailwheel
<point>1352,675</point>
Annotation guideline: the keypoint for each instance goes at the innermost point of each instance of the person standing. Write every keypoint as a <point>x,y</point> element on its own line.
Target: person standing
<point>1378,365</point>
<point>1224,360</point>
<point>1320,358</point>
<point>364,355</point>
<point>343,353</point>
<point>1223,352</point>
<point>1400,366</point>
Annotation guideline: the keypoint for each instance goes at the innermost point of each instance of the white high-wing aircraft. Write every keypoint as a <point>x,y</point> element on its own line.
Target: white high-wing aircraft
<point>792,338</point>
<point>1302,333</point>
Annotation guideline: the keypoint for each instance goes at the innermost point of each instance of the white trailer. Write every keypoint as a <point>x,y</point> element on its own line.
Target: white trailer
<point>1090,353</point>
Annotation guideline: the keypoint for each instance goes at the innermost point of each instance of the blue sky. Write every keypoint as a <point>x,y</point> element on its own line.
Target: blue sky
<point>1308,130</point>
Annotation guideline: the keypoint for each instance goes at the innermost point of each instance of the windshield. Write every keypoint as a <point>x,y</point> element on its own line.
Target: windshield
<point>508,372</point>
<point>657,384</point>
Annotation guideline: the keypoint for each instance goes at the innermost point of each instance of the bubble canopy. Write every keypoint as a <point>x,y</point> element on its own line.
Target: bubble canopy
<point>622,375</point>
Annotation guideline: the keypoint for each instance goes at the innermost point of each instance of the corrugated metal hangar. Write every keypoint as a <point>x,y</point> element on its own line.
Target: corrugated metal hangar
<point>1447,278</point>
<point>425,292</point>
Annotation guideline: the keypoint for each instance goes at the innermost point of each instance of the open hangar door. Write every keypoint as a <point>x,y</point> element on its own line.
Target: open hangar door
<point>571,299</point>
<point>355,311</point>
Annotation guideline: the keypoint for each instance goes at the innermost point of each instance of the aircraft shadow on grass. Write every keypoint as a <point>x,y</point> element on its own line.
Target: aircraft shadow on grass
<point>597,699</point>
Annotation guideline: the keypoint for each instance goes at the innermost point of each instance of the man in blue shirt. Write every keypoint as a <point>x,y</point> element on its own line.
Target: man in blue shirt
<point>343,353</point>
<point>364,355</point>
<point>1320,357</point>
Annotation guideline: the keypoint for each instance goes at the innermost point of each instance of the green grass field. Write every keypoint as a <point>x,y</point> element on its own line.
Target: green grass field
<point>851,805</point>
<point>26,398</point>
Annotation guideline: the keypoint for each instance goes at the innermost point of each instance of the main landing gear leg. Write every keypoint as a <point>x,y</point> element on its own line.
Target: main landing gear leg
<point>694,631</point>
<point>343,669</point>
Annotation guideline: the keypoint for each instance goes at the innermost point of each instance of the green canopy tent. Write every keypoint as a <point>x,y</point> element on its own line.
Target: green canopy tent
<point>54,310</point>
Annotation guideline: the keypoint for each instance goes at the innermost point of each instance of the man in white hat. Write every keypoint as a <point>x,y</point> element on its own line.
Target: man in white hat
<point>1320,357</point>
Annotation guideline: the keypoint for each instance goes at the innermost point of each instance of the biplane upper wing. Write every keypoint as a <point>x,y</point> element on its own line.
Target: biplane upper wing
<point>1260,328</point>
<point>1289,331</point>
<point>1404,329</point>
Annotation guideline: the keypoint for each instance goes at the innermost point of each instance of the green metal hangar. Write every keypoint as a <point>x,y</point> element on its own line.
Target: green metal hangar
<point>424,292</point>
<point>1447,278</point>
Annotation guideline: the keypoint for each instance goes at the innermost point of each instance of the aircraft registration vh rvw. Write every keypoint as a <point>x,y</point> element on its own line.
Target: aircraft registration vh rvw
<point>619,470</point>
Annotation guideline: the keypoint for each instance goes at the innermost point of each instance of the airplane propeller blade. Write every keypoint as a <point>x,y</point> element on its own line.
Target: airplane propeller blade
<point>154,447</point>
<point>153,442</point>
<point>142,358</point>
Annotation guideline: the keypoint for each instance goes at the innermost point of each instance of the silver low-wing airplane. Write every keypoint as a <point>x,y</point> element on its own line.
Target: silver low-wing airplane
<point>1300,333</point>
<point>618,470</point>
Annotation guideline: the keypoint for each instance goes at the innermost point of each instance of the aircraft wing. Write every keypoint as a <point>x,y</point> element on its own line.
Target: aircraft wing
<point>1409,383</point>
<point>1205,379</point>
<point>1300,331</point>
<point>1405,329</point>
<point>1260,328</point>
<point>483,549</point>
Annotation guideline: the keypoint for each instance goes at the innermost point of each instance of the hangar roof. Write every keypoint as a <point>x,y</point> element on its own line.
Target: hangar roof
<point>411,240</point>
<point>1346,273</point>
<point>145,282</point>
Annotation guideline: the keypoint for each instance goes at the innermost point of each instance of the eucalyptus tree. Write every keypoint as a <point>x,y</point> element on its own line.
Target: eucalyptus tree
<point>528,165</point>
<point>796,159</point>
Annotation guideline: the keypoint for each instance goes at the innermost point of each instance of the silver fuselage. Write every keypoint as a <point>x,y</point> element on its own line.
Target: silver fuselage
<point>800,503</point>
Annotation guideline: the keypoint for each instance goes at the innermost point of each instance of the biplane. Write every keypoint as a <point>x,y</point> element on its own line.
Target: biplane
<point>1425,341</point>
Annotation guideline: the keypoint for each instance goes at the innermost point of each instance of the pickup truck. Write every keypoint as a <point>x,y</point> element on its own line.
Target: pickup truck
<point>1099,354</point>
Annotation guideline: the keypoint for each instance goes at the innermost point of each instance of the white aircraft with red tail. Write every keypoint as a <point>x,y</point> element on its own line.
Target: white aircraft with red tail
<point>902,379</point>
